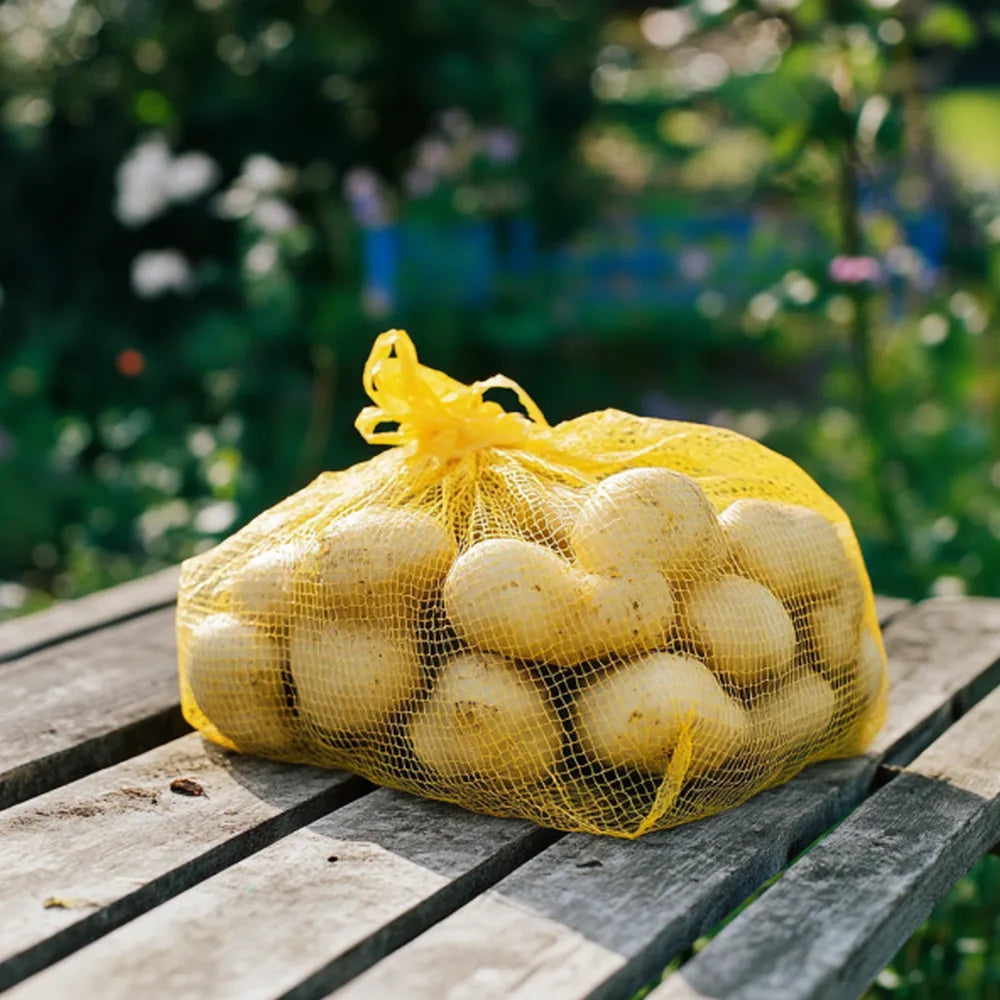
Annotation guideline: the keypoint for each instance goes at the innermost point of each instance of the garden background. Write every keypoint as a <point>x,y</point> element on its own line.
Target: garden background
<point>781,216</point>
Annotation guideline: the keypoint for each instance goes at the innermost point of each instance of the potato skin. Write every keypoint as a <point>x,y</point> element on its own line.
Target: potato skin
<point>263,586</point>
<point>791,550</point>
<point>870,670</point>
<point>634,715</point>
<point>624,615</point>
<point>546,516</point>
<point>235,673</point>
<point>377,555</point>
<point>486,717</point>
<point>745,632</point>
<point>796,717</point>
<point>647,518</point>
<point>351,677</point>
<point>518,598</point>
<point>833,631</point>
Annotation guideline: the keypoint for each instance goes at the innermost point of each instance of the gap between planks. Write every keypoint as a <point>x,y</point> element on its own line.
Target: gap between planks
<point>585,914</point>
<point>333,971</point>
<point>592,917</point>
<point>841,912</point>
<point>71,619</point>
<point>87,703</point>
<point>112,845</point>
<point>307,913</point>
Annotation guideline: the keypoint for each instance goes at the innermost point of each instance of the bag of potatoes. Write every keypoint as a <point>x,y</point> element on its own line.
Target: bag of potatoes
<point>616,624</point>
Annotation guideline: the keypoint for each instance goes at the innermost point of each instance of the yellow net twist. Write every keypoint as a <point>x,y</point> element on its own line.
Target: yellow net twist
<point>616,624</point>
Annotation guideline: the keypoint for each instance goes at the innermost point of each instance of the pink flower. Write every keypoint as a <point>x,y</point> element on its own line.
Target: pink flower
<point>854,270</point>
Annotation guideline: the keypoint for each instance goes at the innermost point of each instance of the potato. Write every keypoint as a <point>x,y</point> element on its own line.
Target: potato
<point>833,632</point>
<point>263,585</point>
<point>486,717</point>
<point>545,515</point>
<point>234,671</point>
<point>514,597</point>
<point>349,676</point>
<point>378,555</point>
<point>633,716</point>
<point>647,518</point>
<point>798,715</point>
<point>742,627</point>
<point>626,614</point>
<point>870,670</point>
<point>792,550</point>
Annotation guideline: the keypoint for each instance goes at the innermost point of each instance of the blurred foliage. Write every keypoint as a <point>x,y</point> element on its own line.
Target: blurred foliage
<point>957,952</point>
<point>191,198</point>
<point>194,196</point>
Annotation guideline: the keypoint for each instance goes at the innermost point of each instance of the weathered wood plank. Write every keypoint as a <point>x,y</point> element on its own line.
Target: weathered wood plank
<point>944,657</point>
<point>117,842</point>
<point>841,912</point>
<point>601,918</point>
<point>320,905</point>
<point>78,705</point>
<point>87,703</point>
<point>87,614</point>
<point>888,607</point>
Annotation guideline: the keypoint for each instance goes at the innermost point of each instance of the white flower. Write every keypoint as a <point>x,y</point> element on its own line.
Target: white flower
<point>274,215</point>
<point>142,192</point>
<point>261,258</point>
<point>191,174</point>
<point>264,174</point>
<point>215,517</point>
<point>157,271</point>
<point>149,179</point>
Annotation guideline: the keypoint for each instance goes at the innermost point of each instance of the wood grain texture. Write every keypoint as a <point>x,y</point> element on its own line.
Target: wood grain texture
<point>626,908</point>
<point>841,912</point>
<point>944,656</point>
<point>87,614</point>
<point>119,841</point>
<point>86,703</point>
<point>886,608</point>
<point>320,905</point>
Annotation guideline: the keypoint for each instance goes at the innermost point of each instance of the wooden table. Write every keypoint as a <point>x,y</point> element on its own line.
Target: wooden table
<point>297,882</point>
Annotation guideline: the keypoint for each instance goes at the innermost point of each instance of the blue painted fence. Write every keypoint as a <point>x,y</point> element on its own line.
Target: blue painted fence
<point>635,262</point>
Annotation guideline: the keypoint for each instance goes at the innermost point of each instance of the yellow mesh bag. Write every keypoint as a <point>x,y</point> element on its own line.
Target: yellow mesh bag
<point>616,624</point>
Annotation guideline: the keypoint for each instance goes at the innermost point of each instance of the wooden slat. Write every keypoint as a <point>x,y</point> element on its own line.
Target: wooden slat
<point>322,904</point>
<point>87,614</point>
<point>599,917</point>
<point>86,703</point>
<point>841,912</point>
<point>888,607</point>
<point>945,657</point>
<point>120,841</point>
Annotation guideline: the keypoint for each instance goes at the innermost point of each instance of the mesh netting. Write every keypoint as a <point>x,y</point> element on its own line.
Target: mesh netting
<point>616,624</point>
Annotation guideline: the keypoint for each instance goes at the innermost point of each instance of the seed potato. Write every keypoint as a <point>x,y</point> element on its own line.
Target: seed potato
<point>350,677</point>
<point>833,631</point>
<point>792,550</point>
<point>544,514</point>
<point>650,518</point>
<point>744,630</point>
<point>625,614</point>
<point>234,671</point>
<point>486,717</point>
<point>871,670</point>
<point>633,716</point>
<point>509,596</point>
<point>263,585</point>
<point>376,555</point>
<point>798,715</point>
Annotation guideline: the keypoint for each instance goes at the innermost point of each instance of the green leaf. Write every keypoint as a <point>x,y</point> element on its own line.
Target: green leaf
<point>947,24</point>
